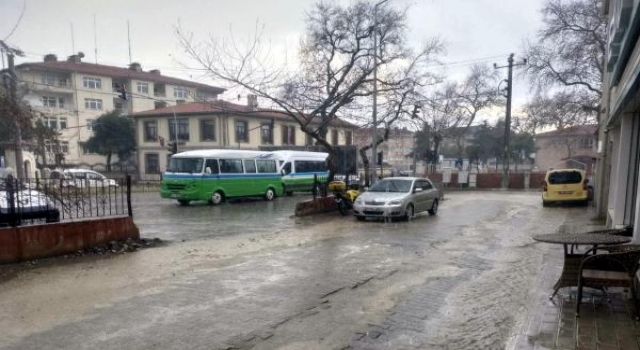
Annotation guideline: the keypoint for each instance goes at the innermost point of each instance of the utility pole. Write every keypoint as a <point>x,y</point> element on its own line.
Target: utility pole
<point>507,120</point>
<point>374,127</point>
<point>11,80</point>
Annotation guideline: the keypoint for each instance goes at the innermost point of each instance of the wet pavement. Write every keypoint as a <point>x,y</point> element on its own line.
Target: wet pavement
<point>249,276</point>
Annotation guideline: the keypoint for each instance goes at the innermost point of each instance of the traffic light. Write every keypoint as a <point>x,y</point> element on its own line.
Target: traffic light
<point>172,147</point>
<point>416,110</point>
<point>122,90</point>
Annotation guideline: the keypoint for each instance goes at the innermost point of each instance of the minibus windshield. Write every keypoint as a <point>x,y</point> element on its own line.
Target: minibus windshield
<point>185,165</point>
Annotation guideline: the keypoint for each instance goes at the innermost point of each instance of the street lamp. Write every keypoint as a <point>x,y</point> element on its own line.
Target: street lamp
<point>374,130</point>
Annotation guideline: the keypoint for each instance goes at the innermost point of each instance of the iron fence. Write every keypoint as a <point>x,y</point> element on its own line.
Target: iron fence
<point>31,201</point>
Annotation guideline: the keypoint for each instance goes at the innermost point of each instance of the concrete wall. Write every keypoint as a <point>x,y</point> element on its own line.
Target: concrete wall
<point>41,241</point>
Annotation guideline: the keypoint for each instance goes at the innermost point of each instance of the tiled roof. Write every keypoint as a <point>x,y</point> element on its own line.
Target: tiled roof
<point>589,129</point>
<point>111,71</point>
<point>225,107</point>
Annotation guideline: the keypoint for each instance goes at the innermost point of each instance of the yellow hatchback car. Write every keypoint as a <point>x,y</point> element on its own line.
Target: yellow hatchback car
<point>565,185</point>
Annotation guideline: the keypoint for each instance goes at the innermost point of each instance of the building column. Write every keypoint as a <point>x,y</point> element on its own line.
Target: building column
<point>618,190</point>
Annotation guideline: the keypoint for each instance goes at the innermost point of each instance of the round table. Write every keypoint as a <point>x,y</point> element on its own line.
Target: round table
<point>571,265</point>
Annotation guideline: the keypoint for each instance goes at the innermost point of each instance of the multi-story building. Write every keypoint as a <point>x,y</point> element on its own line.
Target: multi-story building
<point>618,175</point>
<point>220,124</point>
<point>71,94</point>
<point>396,151</point>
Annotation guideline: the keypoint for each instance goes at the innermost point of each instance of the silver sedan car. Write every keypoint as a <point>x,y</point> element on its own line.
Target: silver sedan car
<point>397,197</point>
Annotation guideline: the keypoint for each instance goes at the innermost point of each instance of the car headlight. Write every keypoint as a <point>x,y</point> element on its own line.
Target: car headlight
<point>358,201</point>
<point>395,202</point>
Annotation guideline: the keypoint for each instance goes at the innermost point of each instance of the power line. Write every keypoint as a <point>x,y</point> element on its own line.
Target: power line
<point>24,8</point>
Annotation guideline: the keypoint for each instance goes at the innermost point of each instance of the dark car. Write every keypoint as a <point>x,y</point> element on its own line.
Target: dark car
<point>29,205</point>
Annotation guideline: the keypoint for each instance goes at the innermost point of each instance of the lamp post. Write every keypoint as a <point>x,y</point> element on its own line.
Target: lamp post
<point>374,126</point>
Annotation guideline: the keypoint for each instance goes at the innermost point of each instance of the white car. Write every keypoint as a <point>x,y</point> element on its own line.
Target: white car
<point>397,197</point>
<point>29,204</point>
<point>90,178</point>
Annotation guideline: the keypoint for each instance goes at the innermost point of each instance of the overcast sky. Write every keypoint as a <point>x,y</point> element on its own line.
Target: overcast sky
<point>474,30</point>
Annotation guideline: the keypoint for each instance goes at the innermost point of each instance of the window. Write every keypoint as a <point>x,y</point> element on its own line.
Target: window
<point>62,122</point>
<point>89,124</point>
<point>118,106</point>
<point>180,102</point>
<point>286,169</point>
<point>183,129</point>
<point>64,147</point>
<point>231,166</point>
<point>159,104</point>
<point>242,134</point>
<point>586,142</point>
<point>180,93</point>
<point>266,166</point>
<point>150,130</point>
<point>48,79</point>
<point>92,83</point>
<point>93,103</point>
<point>51,122</point>
<point>288,135</point>
<point>349,137</point>
<point>212,164</point>
<point>152,163</point>
<point>334,137</point>
<point>308,140</point>
<point>142,88</point>
<point>207,130</point>
<point>249,166</point>
<point>266,134</point>
<point>310,166</point>
<point>54,102</point>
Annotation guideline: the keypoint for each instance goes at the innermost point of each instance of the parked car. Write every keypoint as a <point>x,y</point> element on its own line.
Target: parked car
<point>397,197</point>
<point>60,179</point>
<point>29,204</point>
<point>565,185</point>
<point>90,178</point>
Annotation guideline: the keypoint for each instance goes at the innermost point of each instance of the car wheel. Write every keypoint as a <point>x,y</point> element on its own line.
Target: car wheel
<point>270,194</point>
<point>434,207</point>
<point>183,202</point>
<point>216,198</point>
<point>409,212</point>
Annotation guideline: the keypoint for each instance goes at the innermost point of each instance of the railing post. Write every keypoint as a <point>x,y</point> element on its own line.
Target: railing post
<point>11,195</point>
<point>314,190</point>
<point>129,210</point>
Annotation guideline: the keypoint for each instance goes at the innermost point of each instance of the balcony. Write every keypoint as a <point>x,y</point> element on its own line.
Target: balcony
<point>65,87</point>
<point>66,108</point>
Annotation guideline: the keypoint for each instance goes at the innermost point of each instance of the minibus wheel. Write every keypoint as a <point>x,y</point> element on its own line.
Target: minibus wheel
<point>216,198</point>
<point>270,194</point>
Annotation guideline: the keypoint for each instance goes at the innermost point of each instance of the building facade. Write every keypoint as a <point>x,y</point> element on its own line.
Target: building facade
<point>572,147</point>
<point>397,151</point>
<point>70,95</point>
<point>220,124</point>
<point>619,143</point>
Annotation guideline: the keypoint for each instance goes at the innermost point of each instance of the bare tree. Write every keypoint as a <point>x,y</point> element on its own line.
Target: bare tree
<point>475,93</point>
<point>335,65</point>
<point>562,112</point>
<point>570,49</point>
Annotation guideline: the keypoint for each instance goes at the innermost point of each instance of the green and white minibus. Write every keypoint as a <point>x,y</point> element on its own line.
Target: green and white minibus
<point>216,175</point>
<point>299,167</point>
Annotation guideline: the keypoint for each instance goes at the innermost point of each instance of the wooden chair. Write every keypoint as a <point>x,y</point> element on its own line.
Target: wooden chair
<point>617,268</point>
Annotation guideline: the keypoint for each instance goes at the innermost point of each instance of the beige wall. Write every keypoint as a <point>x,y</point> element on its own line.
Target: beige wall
<point>550,152</point>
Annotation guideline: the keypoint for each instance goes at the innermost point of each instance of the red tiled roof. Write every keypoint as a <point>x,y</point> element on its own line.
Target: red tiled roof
<point>589,129</point>
<point>226,107</point>
<point>111,71</point>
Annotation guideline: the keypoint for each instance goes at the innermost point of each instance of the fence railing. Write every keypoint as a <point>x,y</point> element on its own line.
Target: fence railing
<point>31,201</point>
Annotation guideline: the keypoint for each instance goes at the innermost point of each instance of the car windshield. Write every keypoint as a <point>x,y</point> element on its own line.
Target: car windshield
<point>565,177</point>
<point>185,165</point>
<point>391,186</point>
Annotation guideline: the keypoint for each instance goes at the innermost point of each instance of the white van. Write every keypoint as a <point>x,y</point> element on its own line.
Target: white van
<point>90,178</point>
<point>299,167</point>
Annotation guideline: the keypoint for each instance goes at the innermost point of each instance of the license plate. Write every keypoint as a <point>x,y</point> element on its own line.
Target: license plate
<point>565,192</point>
<point>174,195</point>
